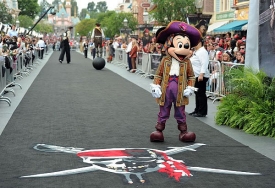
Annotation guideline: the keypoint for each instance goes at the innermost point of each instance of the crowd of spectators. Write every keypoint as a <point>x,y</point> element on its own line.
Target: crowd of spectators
<point>226,48</point>
<point>14,45</point>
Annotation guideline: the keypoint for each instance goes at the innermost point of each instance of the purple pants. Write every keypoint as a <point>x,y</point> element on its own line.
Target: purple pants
<point>171,97</point>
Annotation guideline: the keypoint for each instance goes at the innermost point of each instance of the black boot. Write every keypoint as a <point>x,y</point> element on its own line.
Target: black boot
<point>157,136</point>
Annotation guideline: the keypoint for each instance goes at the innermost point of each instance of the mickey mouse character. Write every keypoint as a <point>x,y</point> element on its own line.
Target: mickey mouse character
<point>174,79</point>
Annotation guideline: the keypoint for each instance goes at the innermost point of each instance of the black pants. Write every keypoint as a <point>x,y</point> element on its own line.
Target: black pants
<point>85,53</point>
<point>93,53</point>
<point>40,53</point>
<point>201,99</point>
<point>65,49</point>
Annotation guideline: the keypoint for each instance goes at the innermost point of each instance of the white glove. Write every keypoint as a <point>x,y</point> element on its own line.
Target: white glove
<point>155,90</point>
<point>192,88</point>
<point>189,91</point>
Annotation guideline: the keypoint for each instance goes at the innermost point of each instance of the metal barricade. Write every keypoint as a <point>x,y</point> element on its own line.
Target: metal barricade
<point>120,58</point>
<point>218,85</point>
<point>10,81</point>
<point>154,63</point>
<point>214,84</point>
<point>142,65</point>
<point>3,71</point>
<point>226,68</point>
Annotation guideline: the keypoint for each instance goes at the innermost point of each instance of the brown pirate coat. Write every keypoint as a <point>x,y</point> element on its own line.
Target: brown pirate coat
<point>186,77</point>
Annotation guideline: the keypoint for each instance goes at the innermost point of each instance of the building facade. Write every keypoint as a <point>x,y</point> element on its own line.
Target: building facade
<point>233,12</point>
<point>63,18</point>
<point>13,7</point>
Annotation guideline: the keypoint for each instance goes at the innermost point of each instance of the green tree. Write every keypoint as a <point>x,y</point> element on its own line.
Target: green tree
<point>112,22</point>
<point>91,7</point>
<point>92,10</point>
<point>101,6</point>
<point>85,26</point>
<point>83,14</point>
<point>168,10</point>
<point>28,7</point>
<point>43,27</point>
<point>5,16</point>
<point>25,21</point>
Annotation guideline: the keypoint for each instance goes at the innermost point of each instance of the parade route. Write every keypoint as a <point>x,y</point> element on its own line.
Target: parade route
<point>65,128</point>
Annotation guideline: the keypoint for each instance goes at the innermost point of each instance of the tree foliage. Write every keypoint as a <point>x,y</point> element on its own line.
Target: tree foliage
<point>43,27</point>
<point>28,7</point>
<point>112,22</point>
<point>83,13</point>
<point>172,10</point>
<point>101,6</point>
<point>91,7</point>
<point>25,21</point>
<point>5,16</point>
<point>85,26</point>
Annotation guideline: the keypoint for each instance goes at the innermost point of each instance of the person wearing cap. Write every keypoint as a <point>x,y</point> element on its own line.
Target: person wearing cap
<point>65,46</point>
<point>174,78</point>
<point>97,36</point>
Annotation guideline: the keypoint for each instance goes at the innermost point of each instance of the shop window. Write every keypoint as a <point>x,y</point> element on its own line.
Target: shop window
<point>225,5</point>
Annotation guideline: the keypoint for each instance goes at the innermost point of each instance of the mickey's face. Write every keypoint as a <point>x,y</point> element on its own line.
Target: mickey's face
<point>180,48</point>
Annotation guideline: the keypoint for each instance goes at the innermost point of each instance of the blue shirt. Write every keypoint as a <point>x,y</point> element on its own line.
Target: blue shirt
<point>12,33</point>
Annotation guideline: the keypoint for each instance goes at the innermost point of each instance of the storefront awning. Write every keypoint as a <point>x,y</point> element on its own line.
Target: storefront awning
<point>215,25</point>
<point>244,28</point>
<point>232,26</point>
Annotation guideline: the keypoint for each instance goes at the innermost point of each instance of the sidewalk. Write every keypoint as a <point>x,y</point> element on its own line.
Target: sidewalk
<point>263,145</point>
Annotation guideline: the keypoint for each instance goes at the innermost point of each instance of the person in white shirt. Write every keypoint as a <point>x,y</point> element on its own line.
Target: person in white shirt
<point>41,45</point>
<point>200,62</point>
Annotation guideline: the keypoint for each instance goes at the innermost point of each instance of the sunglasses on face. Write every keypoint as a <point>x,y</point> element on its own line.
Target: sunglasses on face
<point>242,48</point>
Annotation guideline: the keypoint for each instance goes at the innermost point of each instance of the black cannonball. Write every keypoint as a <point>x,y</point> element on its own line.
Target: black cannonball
<point>99,63</point>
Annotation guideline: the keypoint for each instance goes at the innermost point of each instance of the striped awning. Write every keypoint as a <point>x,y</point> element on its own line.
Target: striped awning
<point>215,25</point>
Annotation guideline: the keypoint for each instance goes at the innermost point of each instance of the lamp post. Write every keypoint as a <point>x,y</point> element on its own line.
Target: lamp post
<point>194,19</point>
<point>199,5</point>
<point>125,30</point>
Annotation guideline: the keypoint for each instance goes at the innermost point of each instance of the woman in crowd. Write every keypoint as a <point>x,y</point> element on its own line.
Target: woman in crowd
<point>133,54</point>
<point>239,58</point>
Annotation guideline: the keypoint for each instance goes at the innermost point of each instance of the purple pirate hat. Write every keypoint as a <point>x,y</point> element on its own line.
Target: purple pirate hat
<point>178,27</point>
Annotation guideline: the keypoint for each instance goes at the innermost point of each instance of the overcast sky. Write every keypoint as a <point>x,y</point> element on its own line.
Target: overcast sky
<point>112,4</point>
